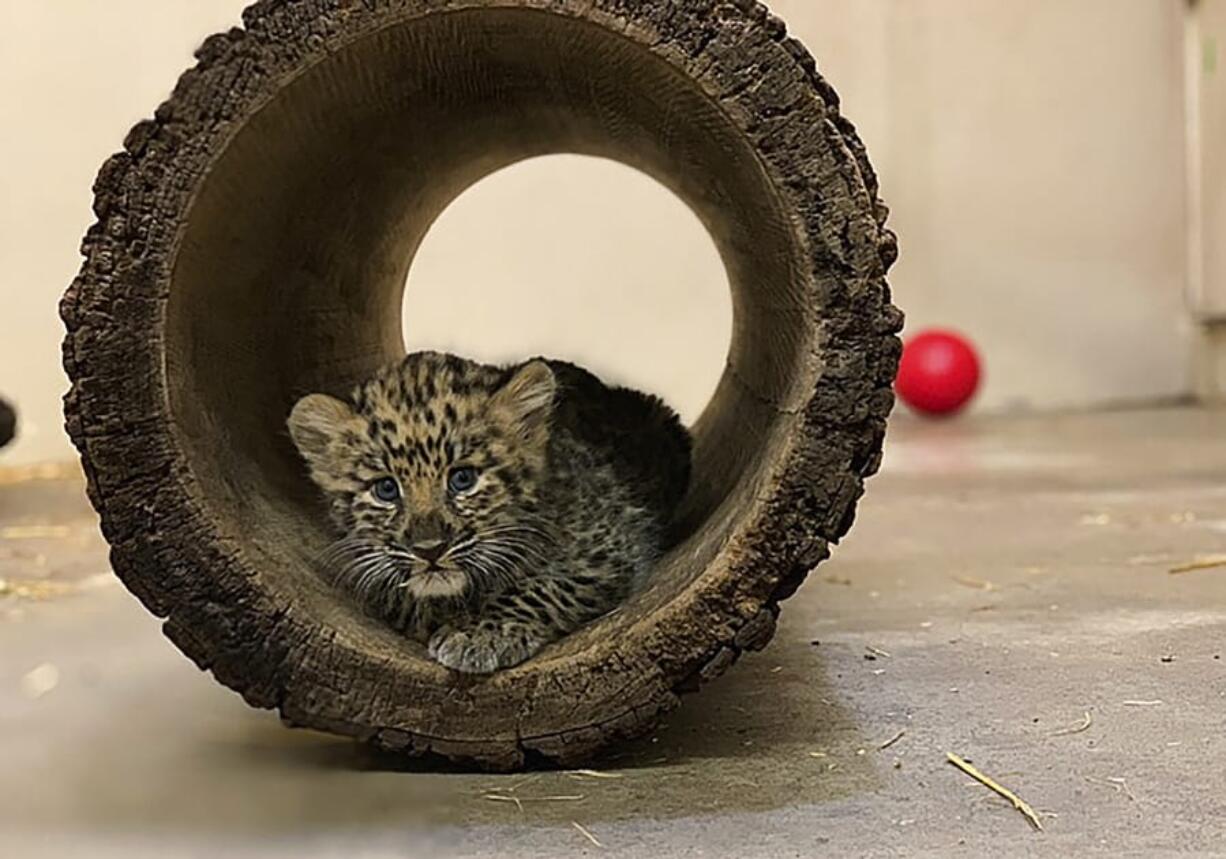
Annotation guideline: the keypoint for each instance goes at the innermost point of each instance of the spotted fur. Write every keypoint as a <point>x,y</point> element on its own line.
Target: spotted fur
<point>575,487</point>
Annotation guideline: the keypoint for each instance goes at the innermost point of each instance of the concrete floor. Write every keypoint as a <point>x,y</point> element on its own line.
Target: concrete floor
<point>1016,572</point>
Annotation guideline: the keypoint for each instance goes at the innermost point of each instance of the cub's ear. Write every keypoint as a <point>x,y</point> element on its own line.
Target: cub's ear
<point>318,425</point>
<point>526,401</point>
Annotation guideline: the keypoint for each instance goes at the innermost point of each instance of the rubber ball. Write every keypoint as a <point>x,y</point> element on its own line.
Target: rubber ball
<point>939,372</point>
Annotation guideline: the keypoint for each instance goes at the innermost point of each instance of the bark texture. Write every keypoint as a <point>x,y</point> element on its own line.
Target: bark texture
<point>251,244</point>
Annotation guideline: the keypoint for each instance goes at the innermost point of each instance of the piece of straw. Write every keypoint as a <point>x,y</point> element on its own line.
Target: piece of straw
<point>1201,564</point>
<point>1018,803</point>
<point>583,831</point>
<point>592,774</point>
<point>894,739</point>
<point>1084,725</point>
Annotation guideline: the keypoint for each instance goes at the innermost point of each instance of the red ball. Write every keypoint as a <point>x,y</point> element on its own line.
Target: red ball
<point>939,372</point>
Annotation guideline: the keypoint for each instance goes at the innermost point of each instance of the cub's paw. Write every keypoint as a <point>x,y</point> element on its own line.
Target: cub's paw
<point>483,649</point>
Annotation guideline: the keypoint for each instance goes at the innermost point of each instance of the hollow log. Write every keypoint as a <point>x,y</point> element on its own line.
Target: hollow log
<point>252,244</point>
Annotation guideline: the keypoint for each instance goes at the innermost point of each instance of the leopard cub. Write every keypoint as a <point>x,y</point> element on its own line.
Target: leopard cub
<point>487,511</point>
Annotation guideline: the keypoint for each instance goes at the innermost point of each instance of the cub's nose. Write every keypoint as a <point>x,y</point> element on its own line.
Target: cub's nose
<point>430,550</point>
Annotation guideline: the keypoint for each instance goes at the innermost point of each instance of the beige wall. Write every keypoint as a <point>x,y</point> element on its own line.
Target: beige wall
<point>1032,152</point>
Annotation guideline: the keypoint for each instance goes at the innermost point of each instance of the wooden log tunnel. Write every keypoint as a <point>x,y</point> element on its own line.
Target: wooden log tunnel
<point>252,244</point>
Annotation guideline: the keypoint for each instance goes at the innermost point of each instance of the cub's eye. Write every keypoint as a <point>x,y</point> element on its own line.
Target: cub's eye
<point>462,479</point>
<point>386,489</point>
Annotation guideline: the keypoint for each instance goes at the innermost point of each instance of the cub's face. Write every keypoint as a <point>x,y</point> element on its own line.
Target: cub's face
<point>432,472</point>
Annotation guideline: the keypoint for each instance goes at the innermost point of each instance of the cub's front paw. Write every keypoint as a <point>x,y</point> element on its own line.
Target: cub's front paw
<point>483,649</point>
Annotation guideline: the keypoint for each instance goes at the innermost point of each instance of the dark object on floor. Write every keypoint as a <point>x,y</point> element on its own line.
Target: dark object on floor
<point>252,246</point>
<point>8,423</point>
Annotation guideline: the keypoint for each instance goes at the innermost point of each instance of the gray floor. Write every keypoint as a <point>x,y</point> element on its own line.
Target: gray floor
<point>1016,572</point>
